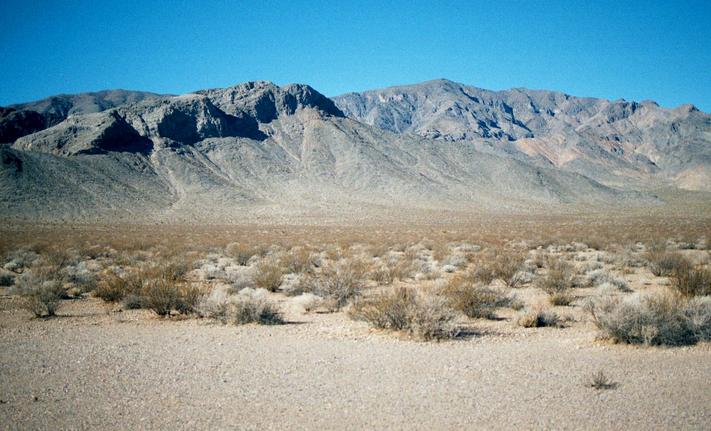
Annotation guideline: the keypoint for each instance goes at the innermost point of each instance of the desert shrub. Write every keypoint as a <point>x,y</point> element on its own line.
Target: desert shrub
<point>590,266</point>
<point>188,298</point>
<point>252,306</point>
<point>691,281</point>
<point>483,273</point>
<point>425,317</point>
<point>19,259</point>
<point>662,318</point>
<point>298,284</point>
<point>247,306</point>
<point>133,301</point>
<point>516,303</point>
<point>389,309</point>
<point>401,269</point>
<point>433,319</point>
<point>161,288</point>
<point>240,253</point>
<point>473,299</point>
<point>557,283</point>
<point>216,304</point>
<point>340,282</point>
<point>599,277</point>
<point>174,269</point>
<point>111,288</point>
<point>538,317</point>
<point>161,296</point>
<point>563,298</point>
<point>537,259</point>
<point>698,312</point>
<point>6,279</point>
<point>662,263</point>
<point>268,275</point>
<point>455,260</point>
<point>81,277</point>
<point>298,260</point>
<point>381,274</point>
<point>506,267</point>
<point>240,277</point>
<point>43,300</point>
<point>42,288</point>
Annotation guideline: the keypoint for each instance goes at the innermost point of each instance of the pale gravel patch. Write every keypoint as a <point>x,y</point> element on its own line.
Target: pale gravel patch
<point>324,371</point>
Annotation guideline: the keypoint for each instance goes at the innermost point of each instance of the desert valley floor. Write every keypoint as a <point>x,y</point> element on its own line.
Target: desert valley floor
<point>106,364</point>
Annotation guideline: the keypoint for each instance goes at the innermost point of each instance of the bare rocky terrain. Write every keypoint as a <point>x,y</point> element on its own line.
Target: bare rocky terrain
<point>616,142</point>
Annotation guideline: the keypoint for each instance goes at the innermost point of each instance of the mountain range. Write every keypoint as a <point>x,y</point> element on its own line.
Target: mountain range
<point>257,149</point>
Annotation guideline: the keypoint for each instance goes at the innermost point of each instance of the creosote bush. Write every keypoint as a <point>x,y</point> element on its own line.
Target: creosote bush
<point>388,309</point>
<point>663,263</point>
<point>241,253</point>
<point>691,281</point>
<point>268,275</point>
<point>557,283</point>
<point>473,299</point>
<point>506,267</point>
<point>425,317</point>
<point>340,282</point>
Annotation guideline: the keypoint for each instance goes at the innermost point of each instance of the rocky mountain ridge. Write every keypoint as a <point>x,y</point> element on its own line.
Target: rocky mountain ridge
<point>257,148</point>
<point>619,143</point>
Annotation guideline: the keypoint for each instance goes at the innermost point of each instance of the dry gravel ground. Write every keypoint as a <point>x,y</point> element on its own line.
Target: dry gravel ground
<point>94,368</point>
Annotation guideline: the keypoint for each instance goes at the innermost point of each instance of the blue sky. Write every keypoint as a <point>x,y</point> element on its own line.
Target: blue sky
<point>612,49</point>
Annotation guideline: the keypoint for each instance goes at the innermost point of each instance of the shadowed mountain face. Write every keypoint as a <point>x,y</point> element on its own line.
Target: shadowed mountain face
<point>619,143</point>
<point>256,148</point>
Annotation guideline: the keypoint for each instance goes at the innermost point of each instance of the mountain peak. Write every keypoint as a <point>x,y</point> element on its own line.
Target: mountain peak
<point>266,101</point>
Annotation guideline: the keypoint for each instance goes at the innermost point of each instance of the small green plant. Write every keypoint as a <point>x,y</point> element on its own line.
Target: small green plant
<point>601,381</point>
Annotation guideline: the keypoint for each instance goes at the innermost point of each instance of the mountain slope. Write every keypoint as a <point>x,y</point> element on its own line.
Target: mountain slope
<point>221,154</point>
<point>25,118</point>
<point>619,143</point>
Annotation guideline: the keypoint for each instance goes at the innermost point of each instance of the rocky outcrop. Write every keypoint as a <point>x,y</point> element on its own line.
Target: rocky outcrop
<point>26,118</point>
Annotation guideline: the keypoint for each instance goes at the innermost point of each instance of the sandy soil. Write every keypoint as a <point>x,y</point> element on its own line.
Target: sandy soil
<point>96,368</point>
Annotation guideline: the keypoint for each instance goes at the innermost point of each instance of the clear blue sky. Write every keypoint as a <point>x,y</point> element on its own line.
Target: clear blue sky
<point>612,49</point>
